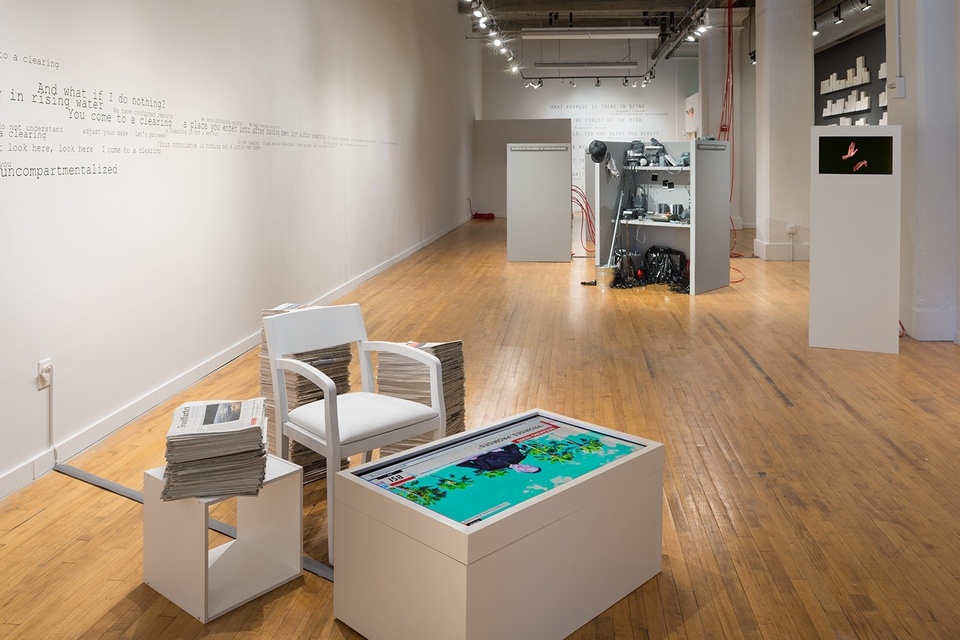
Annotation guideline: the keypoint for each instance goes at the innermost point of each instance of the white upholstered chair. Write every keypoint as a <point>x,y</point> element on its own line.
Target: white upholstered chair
<point>340,426</point>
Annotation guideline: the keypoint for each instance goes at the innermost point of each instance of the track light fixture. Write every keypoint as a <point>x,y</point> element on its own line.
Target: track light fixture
<point>864,5</point>
<point>838,14</point>
<point>816,30</point>
<point>626,82</point>
<point>598,82</point>
<point>486,22</point>
<point>753,57</point>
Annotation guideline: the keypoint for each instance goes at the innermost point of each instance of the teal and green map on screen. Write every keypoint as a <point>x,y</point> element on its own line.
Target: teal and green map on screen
<point>477,478</point>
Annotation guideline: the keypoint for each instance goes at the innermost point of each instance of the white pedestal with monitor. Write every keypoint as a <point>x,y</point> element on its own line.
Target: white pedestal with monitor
<point>536,568</point>
<point>855,238</point>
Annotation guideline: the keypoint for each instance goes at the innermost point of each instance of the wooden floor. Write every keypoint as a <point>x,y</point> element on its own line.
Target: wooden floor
<point>809,493</point>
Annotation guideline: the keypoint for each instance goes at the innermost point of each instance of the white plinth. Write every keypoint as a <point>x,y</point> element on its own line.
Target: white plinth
<point>267,553</point>
<point>855,240</point>
<point>538,202</point>
<point>541,569</point>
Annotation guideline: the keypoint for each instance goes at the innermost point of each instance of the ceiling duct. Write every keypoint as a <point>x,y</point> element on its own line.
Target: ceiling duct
<point>596,33</point>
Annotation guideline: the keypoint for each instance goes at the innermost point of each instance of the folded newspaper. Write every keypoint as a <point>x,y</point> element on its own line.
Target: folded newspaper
<point>215,448</point>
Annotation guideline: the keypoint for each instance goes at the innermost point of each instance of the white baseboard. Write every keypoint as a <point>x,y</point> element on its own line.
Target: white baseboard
<point>25,473</point>
<point>32,469</point>
<point>21,476</point>
<point>781,251</point>
<point>355,282</point>
<point>930,326</point>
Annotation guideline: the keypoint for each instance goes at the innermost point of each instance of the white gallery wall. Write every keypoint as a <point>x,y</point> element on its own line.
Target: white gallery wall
<point>168,169</point>
<point>610,112</point>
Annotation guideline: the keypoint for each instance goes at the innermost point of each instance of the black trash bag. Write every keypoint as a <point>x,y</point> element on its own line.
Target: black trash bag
<point>663,265</point>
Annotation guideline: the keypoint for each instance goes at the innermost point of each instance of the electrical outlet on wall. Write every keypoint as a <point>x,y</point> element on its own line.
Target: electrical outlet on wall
<point>44,373</point>
<point>791,229</point>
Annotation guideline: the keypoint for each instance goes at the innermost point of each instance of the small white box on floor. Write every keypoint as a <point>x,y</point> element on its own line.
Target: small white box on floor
<point>538,568</point>
<point>207,583</point>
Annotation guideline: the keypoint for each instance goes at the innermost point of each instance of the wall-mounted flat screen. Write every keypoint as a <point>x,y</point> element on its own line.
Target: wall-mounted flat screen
<point>859,155</point>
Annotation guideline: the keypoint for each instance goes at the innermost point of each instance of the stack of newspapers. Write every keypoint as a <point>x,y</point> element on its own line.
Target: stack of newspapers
<point>215,448</point>
<point>405,378</point>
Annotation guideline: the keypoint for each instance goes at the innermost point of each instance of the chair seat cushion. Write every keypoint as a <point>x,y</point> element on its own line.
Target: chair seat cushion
<point>362,415</point>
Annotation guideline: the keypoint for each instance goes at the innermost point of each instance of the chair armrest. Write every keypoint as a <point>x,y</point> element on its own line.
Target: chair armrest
<point>430,360</point>
<point>309,372</point>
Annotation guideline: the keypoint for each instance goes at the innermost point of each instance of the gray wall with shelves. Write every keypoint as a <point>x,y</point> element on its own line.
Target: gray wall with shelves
<point>872,46</point>
<point>703,189</point>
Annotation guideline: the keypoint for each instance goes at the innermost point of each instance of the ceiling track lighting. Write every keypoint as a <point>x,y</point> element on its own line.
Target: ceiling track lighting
<point>864,5</point>
<point>816,30</point>
<point>598,82</point>
<point>753,57</point>
<point>486,22</point>
<point>838,14</point>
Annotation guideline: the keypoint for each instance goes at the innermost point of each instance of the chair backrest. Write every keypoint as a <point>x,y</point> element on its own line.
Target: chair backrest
<point>313,328</point>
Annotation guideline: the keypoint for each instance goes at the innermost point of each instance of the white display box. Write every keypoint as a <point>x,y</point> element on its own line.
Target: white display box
<point>540,568</point>
<point>207,583</point>
<point>854,276</point>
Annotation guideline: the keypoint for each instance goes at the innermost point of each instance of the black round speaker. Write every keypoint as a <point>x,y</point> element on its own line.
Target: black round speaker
<point>598,151</point>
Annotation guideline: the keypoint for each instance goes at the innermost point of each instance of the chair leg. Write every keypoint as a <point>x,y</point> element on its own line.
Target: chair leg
<point>333,466</point>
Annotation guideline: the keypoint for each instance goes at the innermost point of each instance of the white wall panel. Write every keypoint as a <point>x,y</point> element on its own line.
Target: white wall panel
<point>168,169</point>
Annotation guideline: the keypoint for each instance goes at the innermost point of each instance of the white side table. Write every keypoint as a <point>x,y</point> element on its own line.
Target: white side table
<point>267,553</point>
